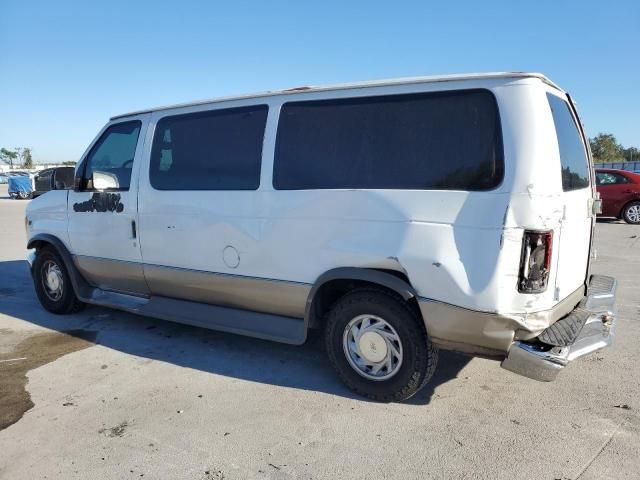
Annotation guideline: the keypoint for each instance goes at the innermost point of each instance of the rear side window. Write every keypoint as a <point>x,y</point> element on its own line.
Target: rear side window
<point>573,157</point>
<point>213,150</point>
<point>610,178</point>
<point>444,140</point>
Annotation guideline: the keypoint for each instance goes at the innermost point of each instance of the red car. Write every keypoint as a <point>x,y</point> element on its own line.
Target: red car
<point>620,194</point>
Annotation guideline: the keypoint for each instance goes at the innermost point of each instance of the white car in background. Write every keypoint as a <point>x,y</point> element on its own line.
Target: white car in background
<point>398,216</point>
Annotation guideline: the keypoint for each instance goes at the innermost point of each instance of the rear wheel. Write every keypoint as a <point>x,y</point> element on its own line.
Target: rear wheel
<point>631,213</point>
<point>52,283</point>
<point>378,345</point>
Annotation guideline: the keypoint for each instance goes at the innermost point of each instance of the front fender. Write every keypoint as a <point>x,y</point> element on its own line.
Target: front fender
<point>40,240</point>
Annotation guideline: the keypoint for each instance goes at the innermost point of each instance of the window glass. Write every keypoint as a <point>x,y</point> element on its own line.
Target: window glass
<point>213,150</point>
<point>109,163</point>
<point>610,178</point>
<point>573,157</point>
<point>444,140</point>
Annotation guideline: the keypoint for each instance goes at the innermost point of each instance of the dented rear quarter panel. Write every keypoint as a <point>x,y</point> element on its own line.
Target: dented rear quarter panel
<point>458,247</point>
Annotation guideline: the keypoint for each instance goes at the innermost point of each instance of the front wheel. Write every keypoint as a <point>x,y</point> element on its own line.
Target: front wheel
<point>631,213</point>
<point>378,345</point>
<point>52,283</point>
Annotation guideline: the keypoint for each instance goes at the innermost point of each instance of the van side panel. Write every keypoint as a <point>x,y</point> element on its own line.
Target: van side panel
<point>458,248</point>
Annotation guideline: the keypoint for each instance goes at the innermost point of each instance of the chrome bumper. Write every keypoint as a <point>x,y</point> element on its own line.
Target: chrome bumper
<point>543,362</point>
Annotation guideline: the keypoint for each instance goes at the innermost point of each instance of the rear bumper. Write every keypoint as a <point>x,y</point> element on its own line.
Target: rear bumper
<point>542,361</point>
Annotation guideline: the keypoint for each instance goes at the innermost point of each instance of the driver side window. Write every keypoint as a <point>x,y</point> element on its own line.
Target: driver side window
<point>109,163</point>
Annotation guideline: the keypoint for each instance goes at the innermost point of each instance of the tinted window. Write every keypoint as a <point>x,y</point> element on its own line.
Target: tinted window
<point>610,178</point>
<point>64,175</point>
<point>44,175</point>
<point>447,140</point>
<point>573,157</point>
<point>111,159</point>
<point>214,150</point>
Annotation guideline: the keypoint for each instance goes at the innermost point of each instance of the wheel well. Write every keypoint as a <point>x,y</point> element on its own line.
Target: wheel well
<point>621,214</point>
<point>40,244</point>
<point>330,292</point>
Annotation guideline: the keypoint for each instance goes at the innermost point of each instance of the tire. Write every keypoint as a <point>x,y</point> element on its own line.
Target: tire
<point>60,300</point>
<point>23,195</point>
<point>392,322</point>
<point>631,213</point>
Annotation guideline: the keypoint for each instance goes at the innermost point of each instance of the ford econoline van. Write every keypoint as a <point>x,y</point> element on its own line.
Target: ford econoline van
<point>399,217</point>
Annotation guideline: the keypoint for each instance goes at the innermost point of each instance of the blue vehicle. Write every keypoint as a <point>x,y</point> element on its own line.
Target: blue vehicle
<point>20,187</point>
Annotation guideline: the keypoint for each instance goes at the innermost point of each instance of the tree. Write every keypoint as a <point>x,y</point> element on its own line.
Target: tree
<point>631,154</point>
<point>19,151</point>
<point>8,156</point>
<point>605,148</point>
<point>69,162</point>
<point>27,159</point>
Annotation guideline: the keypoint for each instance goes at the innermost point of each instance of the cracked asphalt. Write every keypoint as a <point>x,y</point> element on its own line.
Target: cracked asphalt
<point>107,395</point>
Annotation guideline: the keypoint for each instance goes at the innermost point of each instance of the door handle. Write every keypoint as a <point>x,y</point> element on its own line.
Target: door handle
<point>133,229</point>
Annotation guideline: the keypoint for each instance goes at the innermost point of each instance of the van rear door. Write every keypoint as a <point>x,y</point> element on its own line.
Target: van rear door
<point>577,197</point>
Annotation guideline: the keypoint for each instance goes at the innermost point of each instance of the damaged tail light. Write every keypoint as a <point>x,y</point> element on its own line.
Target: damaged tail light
<point>535,261</point>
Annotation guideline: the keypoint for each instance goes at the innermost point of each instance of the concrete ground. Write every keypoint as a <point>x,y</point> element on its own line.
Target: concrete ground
<point>120,396</point>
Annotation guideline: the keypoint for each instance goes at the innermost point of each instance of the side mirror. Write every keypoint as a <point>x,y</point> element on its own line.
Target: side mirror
<point>104,180</point>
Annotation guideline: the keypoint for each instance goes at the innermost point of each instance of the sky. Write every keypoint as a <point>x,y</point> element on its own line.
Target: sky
<point>67,66</point>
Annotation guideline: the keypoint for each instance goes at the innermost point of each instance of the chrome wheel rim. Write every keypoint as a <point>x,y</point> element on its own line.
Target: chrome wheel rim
<point>372,347</point>
<point>633,213</point>
<point>52,280</point>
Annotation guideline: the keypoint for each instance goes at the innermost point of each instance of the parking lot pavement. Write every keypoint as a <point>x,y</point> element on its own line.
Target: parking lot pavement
<point>112,395</point>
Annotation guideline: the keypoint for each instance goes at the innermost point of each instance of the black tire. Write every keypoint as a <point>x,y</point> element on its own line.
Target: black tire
<point>67,302</point>
<point>419,357</point>
<point>630,213</point>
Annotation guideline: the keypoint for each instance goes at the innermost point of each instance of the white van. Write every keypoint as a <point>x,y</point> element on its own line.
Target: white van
<point>399,216</point>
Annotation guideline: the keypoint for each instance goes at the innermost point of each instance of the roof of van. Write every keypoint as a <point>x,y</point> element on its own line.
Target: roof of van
<point>342,86</point>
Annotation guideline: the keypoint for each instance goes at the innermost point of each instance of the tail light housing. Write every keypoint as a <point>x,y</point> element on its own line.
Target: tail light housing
<point>535,261</point>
